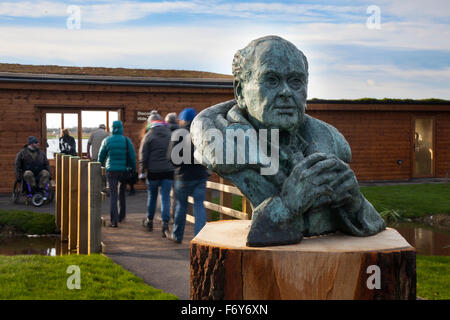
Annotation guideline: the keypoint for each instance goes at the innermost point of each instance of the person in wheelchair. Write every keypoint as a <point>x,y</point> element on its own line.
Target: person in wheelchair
<point>32,166</point>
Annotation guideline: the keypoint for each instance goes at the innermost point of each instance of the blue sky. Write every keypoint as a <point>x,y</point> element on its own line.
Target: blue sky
<point>406,55</point>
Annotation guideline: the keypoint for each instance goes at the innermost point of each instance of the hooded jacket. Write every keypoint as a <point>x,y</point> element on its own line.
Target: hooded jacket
<point>113,151</point>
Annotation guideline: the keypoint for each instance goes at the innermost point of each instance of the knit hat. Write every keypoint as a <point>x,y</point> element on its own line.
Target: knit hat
<point>187,114</point>
<point>154,115</point>
<point>31,140</point>
<point>171,117</point>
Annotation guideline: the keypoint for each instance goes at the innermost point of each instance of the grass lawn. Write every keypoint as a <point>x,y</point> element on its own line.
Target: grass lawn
<point>44,277</point>
<point>414,200</point>
<point>433,277</point>
<point>27,222</point>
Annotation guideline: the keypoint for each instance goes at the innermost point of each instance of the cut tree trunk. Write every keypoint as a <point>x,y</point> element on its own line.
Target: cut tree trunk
<point>334,266</point>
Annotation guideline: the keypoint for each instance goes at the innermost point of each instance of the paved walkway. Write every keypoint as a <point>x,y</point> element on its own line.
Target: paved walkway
<point>161,263</point>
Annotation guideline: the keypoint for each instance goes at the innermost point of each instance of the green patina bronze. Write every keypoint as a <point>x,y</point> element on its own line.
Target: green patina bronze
<point>314,191</point>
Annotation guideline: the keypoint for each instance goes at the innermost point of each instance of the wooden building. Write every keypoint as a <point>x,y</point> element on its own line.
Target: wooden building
<point>390,140</point>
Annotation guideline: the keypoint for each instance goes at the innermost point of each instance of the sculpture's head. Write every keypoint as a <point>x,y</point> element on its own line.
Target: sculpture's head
<point>270,82</point>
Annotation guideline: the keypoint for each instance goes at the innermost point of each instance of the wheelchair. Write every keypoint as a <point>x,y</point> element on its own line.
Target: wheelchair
<point>37,197</point>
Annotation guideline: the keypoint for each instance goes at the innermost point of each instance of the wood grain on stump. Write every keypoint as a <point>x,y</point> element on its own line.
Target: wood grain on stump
<point>334,266</point>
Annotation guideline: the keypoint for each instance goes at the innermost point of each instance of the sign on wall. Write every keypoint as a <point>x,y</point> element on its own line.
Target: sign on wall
<point>141,116</point>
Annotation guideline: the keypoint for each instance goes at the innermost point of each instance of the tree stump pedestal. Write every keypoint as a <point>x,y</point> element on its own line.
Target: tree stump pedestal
<point>334,266</point>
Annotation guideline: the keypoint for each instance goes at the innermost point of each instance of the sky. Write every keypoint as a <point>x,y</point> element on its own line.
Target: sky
<point>355,49</point>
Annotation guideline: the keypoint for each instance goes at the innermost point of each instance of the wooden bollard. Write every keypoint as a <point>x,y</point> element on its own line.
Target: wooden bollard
<point>58,171</point>
<point>83,207</point>
<point>65,197</point>
<point>73,203</point>
<point>95,203</point>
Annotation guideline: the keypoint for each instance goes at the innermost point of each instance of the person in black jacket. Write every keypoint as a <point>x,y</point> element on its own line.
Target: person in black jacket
<point>158,170</point>
<point>190,178</point>
<point>31,163</point>
<point>67,143</point>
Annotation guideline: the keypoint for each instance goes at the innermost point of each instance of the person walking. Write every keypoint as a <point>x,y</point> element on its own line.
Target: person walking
<point>117,154</point>
<point>158,170</point>
<point>95,141</point>
<point>190,180</point>
<point>171,120</point>
<point>67,143</point>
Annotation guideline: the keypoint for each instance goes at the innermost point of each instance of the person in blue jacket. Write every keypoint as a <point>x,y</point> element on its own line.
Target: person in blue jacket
<point>113,155</point>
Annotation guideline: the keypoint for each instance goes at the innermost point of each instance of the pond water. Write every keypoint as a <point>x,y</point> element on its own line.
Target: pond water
<point>46,245</point>
<point>426,240</point>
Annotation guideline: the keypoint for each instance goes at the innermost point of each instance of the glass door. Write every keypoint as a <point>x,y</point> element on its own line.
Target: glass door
<point>423,152</point>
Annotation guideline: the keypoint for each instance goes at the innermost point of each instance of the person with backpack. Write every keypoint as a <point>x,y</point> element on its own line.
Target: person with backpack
<point>117,154</point>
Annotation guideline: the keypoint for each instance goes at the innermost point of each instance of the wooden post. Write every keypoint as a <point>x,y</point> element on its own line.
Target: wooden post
<point>65,198</point>
<point>95,204</point>
<point>330,267</point>
<point>247,207</point>
<point>83,207</point>
<point>73,203</point>
<point>226,200</point>
<point>58,171</point>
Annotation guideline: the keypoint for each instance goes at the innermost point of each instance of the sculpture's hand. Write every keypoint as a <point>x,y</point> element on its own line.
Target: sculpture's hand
<point>309,181</point>
<point>346,189</point>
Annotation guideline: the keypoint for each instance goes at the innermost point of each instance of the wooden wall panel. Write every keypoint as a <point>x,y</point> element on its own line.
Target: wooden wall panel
<point>20,103</point>
<point>377,139</point>
<point>443,144</point>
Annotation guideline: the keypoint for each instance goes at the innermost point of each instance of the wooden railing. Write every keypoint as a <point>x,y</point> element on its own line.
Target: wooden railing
<point>78,197</point>
<point>79,185</point>
<point>225,206</point>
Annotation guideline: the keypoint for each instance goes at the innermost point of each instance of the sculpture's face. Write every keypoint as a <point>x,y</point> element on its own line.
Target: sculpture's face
<point>275,93</point>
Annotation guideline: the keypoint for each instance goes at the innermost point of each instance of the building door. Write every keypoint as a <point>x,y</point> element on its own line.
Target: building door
<point>423,147</point>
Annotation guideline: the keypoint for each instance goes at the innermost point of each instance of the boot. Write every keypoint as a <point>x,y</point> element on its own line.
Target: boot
<point>165,229</point>
<point>148,224</point>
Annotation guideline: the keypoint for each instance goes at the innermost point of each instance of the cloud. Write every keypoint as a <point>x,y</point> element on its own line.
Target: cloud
<point>407,57</point>
<point>123,11</point>
<point>108,12</point>
<point>35,9</point>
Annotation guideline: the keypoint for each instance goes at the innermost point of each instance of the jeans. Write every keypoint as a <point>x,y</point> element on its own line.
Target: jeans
<point>152,192</point>
<point>117,196</point>
<point>183,189</point>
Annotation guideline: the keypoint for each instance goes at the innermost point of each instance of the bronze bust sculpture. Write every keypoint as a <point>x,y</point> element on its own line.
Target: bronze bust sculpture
<point>313,191</point>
